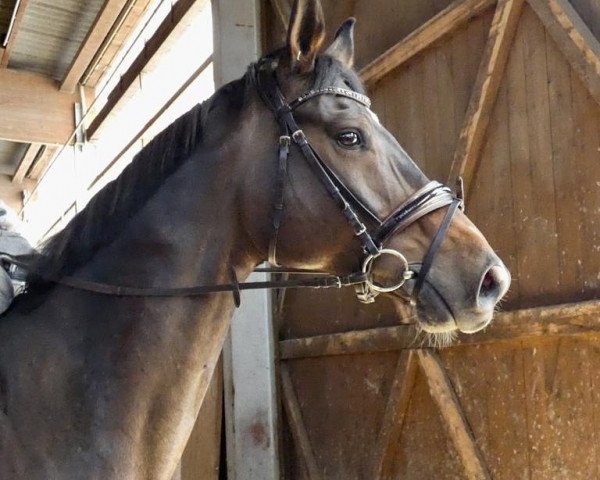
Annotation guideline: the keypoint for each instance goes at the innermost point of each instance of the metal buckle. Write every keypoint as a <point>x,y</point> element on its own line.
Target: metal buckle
<point>364,293</point>
<point>368,265</point>
<point>285,140</point>
<point>299,136</point>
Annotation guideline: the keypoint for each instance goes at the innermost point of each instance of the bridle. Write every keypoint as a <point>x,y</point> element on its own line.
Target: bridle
<point>429,198</point>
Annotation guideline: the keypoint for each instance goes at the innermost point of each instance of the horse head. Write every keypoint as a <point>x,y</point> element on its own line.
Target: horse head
<point>408,235</point>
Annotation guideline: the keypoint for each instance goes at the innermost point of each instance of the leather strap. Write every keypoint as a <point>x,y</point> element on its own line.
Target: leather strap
<point>324,281</point>
<point>433,249</point>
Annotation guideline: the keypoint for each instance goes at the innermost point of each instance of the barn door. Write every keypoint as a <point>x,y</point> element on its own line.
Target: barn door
<point>505,94</point>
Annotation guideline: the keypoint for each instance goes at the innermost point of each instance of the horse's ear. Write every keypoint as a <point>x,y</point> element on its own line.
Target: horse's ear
<point>342,47</point>
<point>305,34</point>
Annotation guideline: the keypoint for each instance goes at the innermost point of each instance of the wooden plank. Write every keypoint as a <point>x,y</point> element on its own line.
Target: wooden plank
<point>30,155</point>
<point>33,109</point>
<point>539,280</point>
<point>43,161</point>
<point>96,35</point>
<point>432,120</point>
<point>123,28</point>
<point>575,40</point>
<point>168,29</point>
<point>460,432</point>
<point>491,191</point>
<point>522,188</point>
<point>568,176</point>
<point>395,413</point>
<point>572,319</point>
<point>483,97</point>
<point>423,37</point>
<point>294,414</point>
<point>142,131</point>
<point>584,157</point>
<point>13,33</point>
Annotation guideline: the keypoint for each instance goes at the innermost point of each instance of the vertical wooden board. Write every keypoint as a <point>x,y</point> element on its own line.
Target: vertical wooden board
<point>522,188</point>
<point>434,126</point>
<point>559,410</point>
<point>490,201</point>
<point>202,453</point>
<point>343,400</point>
<point>531,165</point>
<point>408,84</point>
<point>445,111</point>
<point>567,176</point>
<point>425,451</point>
<point>542,264</point>
<point>490,387</point>
<point>586,153</point>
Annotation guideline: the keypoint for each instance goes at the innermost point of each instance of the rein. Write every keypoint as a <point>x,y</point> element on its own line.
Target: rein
<point>431,197</point>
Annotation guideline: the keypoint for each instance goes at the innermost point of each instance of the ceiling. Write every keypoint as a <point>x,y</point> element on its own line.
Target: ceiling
<point>51,44</point>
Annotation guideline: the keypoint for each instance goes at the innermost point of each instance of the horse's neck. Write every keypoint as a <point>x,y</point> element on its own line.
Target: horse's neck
<point>177,240</point>
<point>143,364</point>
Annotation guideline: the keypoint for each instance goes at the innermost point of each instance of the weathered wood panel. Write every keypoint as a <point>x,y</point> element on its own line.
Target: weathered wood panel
<point>547,169</point>
<point>528,397</point>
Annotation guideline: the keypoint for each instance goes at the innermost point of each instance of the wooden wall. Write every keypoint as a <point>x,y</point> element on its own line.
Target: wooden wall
<point>517,401</point>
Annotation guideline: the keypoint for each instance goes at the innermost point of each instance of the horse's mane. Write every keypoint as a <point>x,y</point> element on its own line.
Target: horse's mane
<point>107,213</point>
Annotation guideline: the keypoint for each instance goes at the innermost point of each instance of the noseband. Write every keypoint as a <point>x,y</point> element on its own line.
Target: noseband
<point>431,197</point>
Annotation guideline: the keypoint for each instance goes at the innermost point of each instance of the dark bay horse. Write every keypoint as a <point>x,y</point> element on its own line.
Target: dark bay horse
<point>96,386</point>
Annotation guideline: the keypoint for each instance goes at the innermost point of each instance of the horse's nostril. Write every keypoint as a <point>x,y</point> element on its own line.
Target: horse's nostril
<point>494,284</point>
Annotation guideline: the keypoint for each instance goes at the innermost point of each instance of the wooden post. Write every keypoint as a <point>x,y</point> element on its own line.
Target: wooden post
<point>249,365</point>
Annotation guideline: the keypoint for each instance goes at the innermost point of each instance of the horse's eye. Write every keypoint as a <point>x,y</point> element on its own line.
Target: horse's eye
<point>348,139</point>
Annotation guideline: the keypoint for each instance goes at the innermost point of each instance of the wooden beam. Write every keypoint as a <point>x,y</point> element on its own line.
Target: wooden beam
<point>30,155</point>
<point>531,323</point>
<point>458,427</point>
<point>373,340</point>
<point>96,35</point>
<point>33,109</point>
<point>123,28</point>
<point>294,415</point>
<point>142,131</point>
<point>573,38</point>
<point>43,161</point>
<point>448,20</point>
<point>395,413</point>
<point>168,29</point>
<point>491,69</point>
<point>13,33</point>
